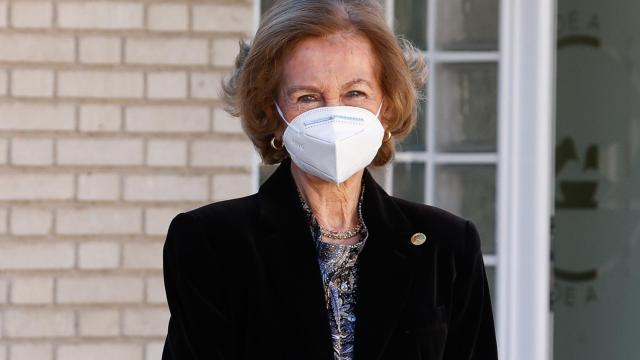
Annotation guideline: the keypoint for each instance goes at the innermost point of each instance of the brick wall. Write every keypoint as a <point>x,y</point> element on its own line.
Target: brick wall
<point>110,124</point>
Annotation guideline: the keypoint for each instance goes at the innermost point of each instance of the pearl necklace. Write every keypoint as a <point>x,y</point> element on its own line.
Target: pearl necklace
<point>332,234</point>
<point>340,235</point>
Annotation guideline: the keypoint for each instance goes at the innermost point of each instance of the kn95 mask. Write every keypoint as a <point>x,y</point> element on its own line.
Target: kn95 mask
<point>333,142</point>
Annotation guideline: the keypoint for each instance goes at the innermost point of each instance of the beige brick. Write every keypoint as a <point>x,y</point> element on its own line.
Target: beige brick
<point>206,85</point>
<point>167,119</point>
<point>36,48</point>
<point>100,50</point>
<point>32,83</point>
<point>143,255</point>
<point>4,10</point>
<point>167,85</point>
<point>154,350</point>
<point>225,123</point>
<point>34,322</point>
<point>168,17</point>
<point>31,14</point>
<point>166,152</point>
<point>30,221</point>
<point>98,186</point>
<point>4,151</point>
<point>165,188</point>
<point>100,151</point>
<point>100,84</point>
<point>4,83</point>
<point>225,52</point>
<point>100,15</point>
<point>102,322</point>
<point>221,153</point>
<point>99,289</point>
<point>157,220</point>
<point>31,151</point>
<point>182,51</point>
<point>101,351</point>
<point>155,290</point>
<point>89,221</point>
<point>4,291</point>
<point>31,351</point>
<point>100,118</point>
<point>98,255</point>
<point>223,18</point>
<point>18,116</point>
<point>146,321</point>
<point>36,255</point>
<point>36,186</point>
<point>4,220</point>
<point>32,290</point>
<point>229,186</point>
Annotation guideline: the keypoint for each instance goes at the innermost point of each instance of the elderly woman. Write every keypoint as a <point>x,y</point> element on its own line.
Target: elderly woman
<point>321,263</point>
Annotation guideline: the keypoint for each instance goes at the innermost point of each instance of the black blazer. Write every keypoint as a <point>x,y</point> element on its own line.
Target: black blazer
<point>243,282</point>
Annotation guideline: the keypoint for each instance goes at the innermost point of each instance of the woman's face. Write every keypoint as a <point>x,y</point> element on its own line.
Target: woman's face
<point>330,71</point>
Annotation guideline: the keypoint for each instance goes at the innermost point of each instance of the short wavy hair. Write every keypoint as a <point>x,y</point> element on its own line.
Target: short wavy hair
<point>251,90</point>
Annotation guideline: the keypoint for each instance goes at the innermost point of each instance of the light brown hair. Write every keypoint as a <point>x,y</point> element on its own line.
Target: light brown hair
<point>252,88</point>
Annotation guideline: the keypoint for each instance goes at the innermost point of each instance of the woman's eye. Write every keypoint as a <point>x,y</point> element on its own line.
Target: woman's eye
<point>355,94</point>
<point>307,98</point>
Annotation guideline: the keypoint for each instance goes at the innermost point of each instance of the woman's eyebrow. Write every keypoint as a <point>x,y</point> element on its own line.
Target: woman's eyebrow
<point>357,81</point>
<point>310,88</point>
<point>295,88</point>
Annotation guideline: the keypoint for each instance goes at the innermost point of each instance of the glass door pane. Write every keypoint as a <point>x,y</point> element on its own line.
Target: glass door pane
<point>470,191</point>
<point>596,246</point>
<point>416,140</point>
<point>467,97</point>
<point>410,21</point>
<point>265,5</point>
<point>468,24</point>
<point>408,181</point>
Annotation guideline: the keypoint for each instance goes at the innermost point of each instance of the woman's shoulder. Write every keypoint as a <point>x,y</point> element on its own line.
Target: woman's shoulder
<point>222,221</point>
<point>224,212</point>
<point>440,225</point>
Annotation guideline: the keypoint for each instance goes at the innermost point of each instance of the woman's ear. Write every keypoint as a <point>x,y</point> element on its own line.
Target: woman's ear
<point>386,116</point>
<point>276,119</point>
<point>279,133</point>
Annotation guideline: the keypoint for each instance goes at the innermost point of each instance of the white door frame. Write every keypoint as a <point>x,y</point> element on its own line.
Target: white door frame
<point>526,109</point>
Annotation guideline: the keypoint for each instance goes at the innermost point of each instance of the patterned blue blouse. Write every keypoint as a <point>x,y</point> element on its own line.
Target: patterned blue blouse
<point>339,270</point>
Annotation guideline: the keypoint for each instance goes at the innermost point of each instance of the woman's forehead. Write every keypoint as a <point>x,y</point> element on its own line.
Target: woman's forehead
<point>338,58</point>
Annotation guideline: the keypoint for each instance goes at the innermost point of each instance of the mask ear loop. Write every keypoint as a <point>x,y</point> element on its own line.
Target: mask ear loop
<point>273,145</point>
<point>281,114</point>
<point>387,133</point>
<point>380,108</point>
<point>283,117</point>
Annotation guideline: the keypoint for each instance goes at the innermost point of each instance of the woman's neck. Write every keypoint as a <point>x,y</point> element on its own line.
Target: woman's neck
<point>335,206</point>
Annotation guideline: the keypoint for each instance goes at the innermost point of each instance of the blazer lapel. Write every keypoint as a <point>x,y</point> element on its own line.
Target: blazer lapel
<point>290,258</point>
<point>385,266</point>
<point>385,271</point>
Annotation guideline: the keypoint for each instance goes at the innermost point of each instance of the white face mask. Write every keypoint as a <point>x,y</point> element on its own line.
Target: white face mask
<point>333,142</point>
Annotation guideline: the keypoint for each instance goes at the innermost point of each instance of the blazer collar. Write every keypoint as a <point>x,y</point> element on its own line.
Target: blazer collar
<point>385,266</point>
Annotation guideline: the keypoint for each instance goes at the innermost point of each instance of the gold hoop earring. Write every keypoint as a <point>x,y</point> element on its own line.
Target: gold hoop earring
<point>273,144</point>
<point>387,137</point>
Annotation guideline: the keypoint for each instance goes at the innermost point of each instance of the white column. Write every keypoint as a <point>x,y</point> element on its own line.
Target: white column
<point>526,110</point>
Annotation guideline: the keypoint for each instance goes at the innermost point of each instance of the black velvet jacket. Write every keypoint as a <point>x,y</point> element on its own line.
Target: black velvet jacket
<point>243,282</point>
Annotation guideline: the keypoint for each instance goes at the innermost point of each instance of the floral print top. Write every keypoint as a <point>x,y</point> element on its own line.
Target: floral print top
<point>339,270</point>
